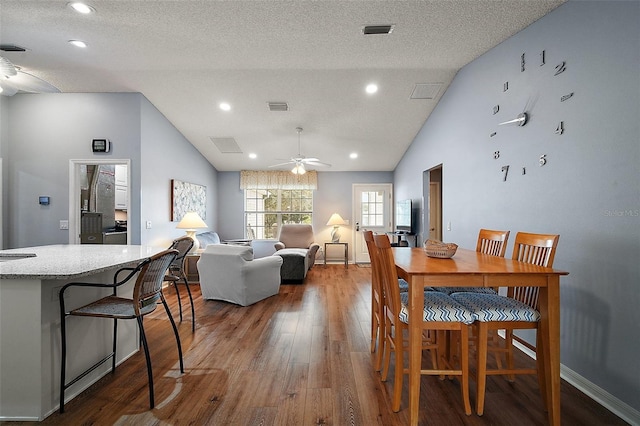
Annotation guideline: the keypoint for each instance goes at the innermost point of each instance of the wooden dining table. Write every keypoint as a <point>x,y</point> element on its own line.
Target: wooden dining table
<point>468,268</point>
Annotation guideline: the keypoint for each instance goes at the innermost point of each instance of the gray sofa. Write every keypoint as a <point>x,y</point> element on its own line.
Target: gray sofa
<point>298,252</point>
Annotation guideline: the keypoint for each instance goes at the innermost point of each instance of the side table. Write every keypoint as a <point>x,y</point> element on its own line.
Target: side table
<point>191,267</point>
<point>346,252</point>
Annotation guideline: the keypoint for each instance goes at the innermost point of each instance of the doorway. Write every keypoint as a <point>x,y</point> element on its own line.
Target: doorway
<point>432,193</point>
<point>80,204</point>
<point>371,212</point>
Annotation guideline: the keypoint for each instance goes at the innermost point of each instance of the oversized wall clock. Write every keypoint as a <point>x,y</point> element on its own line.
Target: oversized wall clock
<point>513,91</point>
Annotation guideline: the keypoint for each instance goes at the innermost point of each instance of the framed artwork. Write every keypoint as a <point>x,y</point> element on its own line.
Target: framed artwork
<point>187,197</point>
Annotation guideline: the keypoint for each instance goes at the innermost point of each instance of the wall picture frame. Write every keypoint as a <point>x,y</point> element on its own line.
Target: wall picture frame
<point>187,197</point>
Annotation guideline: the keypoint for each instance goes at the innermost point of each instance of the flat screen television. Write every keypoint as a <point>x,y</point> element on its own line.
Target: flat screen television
<point>404,217</point>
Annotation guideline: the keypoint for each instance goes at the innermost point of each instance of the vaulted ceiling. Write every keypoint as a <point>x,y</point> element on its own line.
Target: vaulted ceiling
<point>189,56</point>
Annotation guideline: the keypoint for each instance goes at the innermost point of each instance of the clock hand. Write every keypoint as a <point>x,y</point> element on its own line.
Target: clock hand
<point>521,120</point>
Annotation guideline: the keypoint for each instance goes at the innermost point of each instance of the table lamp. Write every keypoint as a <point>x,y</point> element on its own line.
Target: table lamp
<point>335,220</point>
<point>190,222</point>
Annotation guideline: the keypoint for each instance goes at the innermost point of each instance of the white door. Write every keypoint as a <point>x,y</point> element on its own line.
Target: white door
<point>371,212</point>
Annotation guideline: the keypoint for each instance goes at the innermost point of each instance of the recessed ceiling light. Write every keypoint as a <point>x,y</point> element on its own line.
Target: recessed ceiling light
<point>253,155</point>
<point>225,106</point>
<point>371,88</point>
<point>353,155</point>
<point>78,43</point>
<point>79,7</point>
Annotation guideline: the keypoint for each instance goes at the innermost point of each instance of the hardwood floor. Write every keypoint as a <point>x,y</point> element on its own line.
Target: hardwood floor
<point>299,358</point>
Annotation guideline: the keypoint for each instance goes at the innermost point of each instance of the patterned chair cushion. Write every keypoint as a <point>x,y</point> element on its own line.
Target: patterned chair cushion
<point>451,290</point>
<point>438,307</point>
<point>492,307</point>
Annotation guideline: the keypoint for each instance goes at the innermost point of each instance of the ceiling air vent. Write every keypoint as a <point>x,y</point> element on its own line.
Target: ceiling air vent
<point>278,106</point>
<point>377,29</point>
<point>426,90</point>
<point>226,145</point>
<point>12,48</point>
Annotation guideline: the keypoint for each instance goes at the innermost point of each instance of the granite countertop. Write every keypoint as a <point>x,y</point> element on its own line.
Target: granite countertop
<point>69,261</point>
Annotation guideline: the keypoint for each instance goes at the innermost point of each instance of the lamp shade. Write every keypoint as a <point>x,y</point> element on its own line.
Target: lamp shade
<point>336,219</point>
<point>191,220</point>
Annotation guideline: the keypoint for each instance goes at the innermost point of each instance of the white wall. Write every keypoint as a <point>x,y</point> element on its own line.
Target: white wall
<point>589,191</point>
<point>333,195</point>
<point>167,155</point>
<point>45,131</point>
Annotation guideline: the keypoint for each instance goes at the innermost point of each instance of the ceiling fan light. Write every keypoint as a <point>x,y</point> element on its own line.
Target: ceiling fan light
<point>298,169</point>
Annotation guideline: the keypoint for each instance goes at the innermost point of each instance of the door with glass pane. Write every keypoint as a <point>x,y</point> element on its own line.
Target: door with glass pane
<point>371,212</point>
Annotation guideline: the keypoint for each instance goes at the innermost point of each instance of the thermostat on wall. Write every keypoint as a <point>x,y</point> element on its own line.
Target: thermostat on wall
<point>43,200</point>
<point>101,145</point>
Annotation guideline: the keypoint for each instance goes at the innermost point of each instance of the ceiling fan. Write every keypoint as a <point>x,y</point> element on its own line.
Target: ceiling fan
<point>300,161</point>
<point>14,80</point>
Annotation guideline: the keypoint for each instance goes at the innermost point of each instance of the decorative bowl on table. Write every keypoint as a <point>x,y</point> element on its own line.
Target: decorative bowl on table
<point>434,248</point>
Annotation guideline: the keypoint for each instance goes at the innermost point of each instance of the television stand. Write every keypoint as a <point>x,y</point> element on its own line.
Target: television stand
<point>400,239</point>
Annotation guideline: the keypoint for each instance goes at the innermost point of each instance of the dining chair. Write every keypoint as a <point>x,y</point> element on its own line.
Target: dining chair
<point>176,272</point>
<point>441,313</point>
<point>377,301</point>
<point>489,242</point>
<point>147,292</point>
<point>518,310</point>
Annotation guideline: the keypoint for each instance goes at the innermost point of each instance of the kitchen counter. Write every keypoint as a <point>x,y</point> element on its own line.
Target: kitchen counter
<point>68,261</point>
<point>30,280</point>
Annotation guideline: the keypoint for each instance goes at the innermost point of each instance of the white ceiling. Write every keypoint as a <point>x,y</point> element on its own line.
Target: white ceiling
<point>187,56</point>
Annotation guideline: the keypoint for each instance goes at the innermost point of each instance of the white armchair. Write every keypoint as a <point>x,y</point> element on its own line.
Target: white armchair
<point>230,273</point>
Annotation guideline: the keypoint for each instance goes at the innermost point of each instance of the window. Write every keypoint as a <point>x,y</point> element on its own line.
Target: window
<point>372,208</point>
<point>265,210</point>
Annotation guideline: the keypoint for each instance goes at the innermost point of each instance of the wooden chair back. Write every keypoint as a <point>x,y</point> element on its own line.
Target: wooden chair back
<point>537,249</point>
<point>388,274</point>
<point>492,242</point>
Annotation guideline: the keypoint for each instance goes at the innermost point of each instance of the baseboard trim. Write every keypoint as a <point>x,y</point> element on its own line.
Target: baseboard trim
<point>593,391</point>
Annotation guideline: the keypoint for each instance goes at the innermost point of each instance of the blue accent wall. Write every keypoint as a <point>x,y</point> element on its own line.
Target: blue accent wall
<point>589,189</point>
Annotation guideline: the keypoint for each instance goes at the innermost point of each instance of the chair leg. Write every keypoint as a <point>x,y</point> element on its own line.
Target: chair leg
<point>380,342</point>
<point>63,355</point>
<point>399,370</point>
<point>464,367</point>
<point>143,337</point>
<point>175,332</point>
<point>115,341</point>
<point>387,351</point>
<point>481,367</point>
<point>508,340</point>
<point>193,311</point>
<point>374,324</point>
<point>175,285</point>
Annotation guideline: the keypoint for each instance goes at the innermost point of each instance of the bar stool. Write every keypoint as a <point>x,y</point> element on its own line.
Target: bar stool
<point>176,273</point>
<point>147,292</point>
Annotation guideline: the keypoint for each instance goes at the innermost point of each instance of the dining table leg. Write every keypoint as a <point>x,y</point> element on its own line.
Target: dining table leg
<point>549,304</point>
<point>416,306</point>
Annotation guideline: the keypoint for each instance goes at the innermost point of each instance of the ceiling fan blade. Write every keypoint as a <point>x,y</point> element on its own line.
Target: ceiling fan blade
<point>7,89</point>
<point>317,163</point>
<point>283,164</point>
<point>30,83</point>
<point>7,69</point>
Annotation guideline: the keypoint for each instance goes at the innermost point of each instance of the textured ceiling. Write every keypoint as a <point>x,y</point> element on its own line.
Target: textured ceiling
<point>187,56</point>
